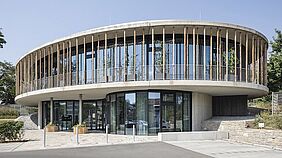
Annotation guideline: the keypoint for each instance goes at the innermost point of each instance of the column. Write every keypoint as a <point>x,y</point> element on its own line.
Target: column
<point>173,54</point>
<point>134,54</point>
<point>211,57</point>
<point>49,66</point>
<point>36,69</point>
<point>80,109</point>
<point>240,56</point>
<point>39,120</point>
<point>258,62</point>
<point>153,56</point>
<point>125,56</point>
<point>63,63</point>
<point>265,64</point>
<point>144,73</point>
<point>217,54</point>
<point>105,59</point>
<point>261,62</point>
<point>227,57</point>
<point>247,45</point>
<point>197,71</point>
<point>185,52</point>
<point>77,62</point>
<point>235,55</point>
<point>205,54</point>
<point>84,66</point>
<point>115,65</point>
<point>51,109</point>
<point>69,65</point>
<point>58,65</point>
<point>253,58</point>
<point>164,57</point>
<point>92,57</point>
<point>194,55</point>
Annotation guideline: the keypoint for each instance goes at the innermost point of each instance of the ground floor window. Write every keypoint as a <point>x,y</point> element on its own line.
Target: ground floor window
<point>150,112</point>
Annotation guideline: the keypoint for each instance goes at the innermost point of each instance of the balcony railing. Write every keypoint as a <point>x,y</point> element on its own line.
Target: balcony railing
<point>141,73</point>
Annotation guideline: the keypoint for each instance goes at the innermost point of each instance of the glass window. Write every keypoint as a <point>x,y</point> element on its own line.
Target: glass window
<point>45,113</point>
<point>141,108</point>
<point>154,113</point>
<point>81,64</point>
<point>119,73</point>
<point>73,65</point>
<point>179,56</point>
<point>158,57</point>
<point>120,113</point>
<point>139,59</point>
<point>130,58</point>
<point>178,112</point>
<point>130,112</point>
<point>113,113</point>
<point>186,112</point>
<point>168,56</point>
<point>168,114</point>
<point>88,63</point>
<point>110,60</point>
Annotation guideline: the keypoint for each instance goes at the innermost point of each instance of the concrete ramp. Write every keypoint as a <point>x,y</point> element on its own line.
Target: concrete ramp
<point>30,121</point>
<point>189,136</point>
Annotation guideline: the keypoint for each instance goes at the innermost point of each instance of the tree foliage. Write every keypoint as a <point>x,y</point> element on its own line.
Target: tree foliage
<point>275,64</point>
<point>2,40</point>
<point>7,83</point>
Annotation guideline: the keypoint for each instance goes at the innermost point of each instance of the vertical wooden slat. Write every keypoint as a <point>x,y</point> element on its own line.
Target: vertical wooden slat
<point>217,54</point>
<point>92,58</point>
<point>205,54</point>
<point>211,57</point>
<point>240,57</point>
<point>194,55</point>
<point>227,56</point>
<point>247,51</point>
<point>77,62</point>
<point>153,56</point>
<point>85,61</point>
<point>185,52</point>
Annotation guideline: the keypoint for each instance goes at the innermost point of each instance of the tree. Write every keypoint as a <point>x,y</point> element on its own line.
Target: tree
<point>274,66</point>
<point>2,40</point>
<point>7,83</point>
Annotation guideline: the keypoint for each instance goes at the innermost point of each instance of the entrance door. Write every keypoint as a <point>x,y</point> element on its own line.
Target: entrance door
<point>92,115</point>
<point>168,112</point>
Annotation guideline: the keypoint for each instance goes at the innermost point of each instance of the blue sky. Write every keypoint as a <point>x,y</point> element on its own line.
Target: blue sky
<point>28,24</point>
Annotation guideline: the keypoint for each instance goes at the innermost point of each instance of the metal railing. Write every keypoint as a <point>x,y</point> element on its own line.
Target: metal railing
<point>141,73</point>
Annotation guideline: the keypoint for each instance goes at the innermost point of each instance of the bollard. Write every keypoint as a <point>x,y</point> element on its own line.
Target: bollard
<point>107,131</point>
<point>44,137</point>
<point>77,138</point>
<point>133,133</point>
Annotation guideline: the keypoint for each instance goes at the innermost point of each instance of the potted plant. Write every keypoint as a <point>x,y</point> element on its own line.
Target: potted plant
<point>51,127</point>
<point>81,128</point>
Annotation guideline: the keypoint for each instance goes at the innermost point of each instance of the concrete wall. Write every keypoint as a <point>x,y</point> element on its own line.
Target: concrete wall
<point>201,109</point>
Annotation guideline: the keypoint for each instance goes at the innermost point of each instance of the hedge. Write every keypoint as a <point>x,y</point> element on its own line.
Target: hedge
<point>8,113</point>
<point>11,131</point>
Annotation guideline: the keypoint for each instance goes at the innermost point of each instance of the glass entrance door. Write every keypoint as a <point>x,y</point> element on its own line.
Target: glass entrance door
<point>92,115</point>
<point>168,112</point>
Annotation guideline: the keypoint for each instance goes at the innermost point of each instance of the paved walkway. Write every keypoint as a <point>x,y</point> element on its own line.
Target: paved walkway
<point>68,140</point>
<point>227,149</point>
<point>140,150</point>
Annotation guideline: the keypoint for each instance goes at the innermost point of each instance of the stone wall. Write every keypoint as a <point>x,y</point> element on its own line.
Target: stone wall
<point>236,127</point>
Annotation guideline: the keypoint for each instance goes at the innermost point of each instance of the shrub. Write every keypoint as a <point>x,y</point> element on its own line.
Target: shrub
<point>11,130</point>
<point>8,113</point>
<point>274,122</point>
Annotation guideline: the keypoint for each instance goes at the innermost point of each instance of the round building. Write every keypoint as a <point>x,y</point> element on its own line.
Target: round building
<point>159,76</point>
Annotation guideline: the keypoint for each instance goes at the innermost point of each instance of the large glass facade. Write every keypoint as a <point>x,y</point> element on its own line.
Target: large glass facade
<point>149,111</point>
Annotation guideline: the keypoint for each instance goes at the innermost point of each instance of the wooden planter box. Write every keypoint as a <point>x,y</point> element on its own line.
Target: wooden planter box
<point>81,130</point>
<point>51,128</point>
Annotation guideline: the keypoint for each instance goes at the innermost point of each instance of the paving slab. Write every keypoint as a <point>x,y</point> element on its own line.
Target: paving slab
<point>223,149</point>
